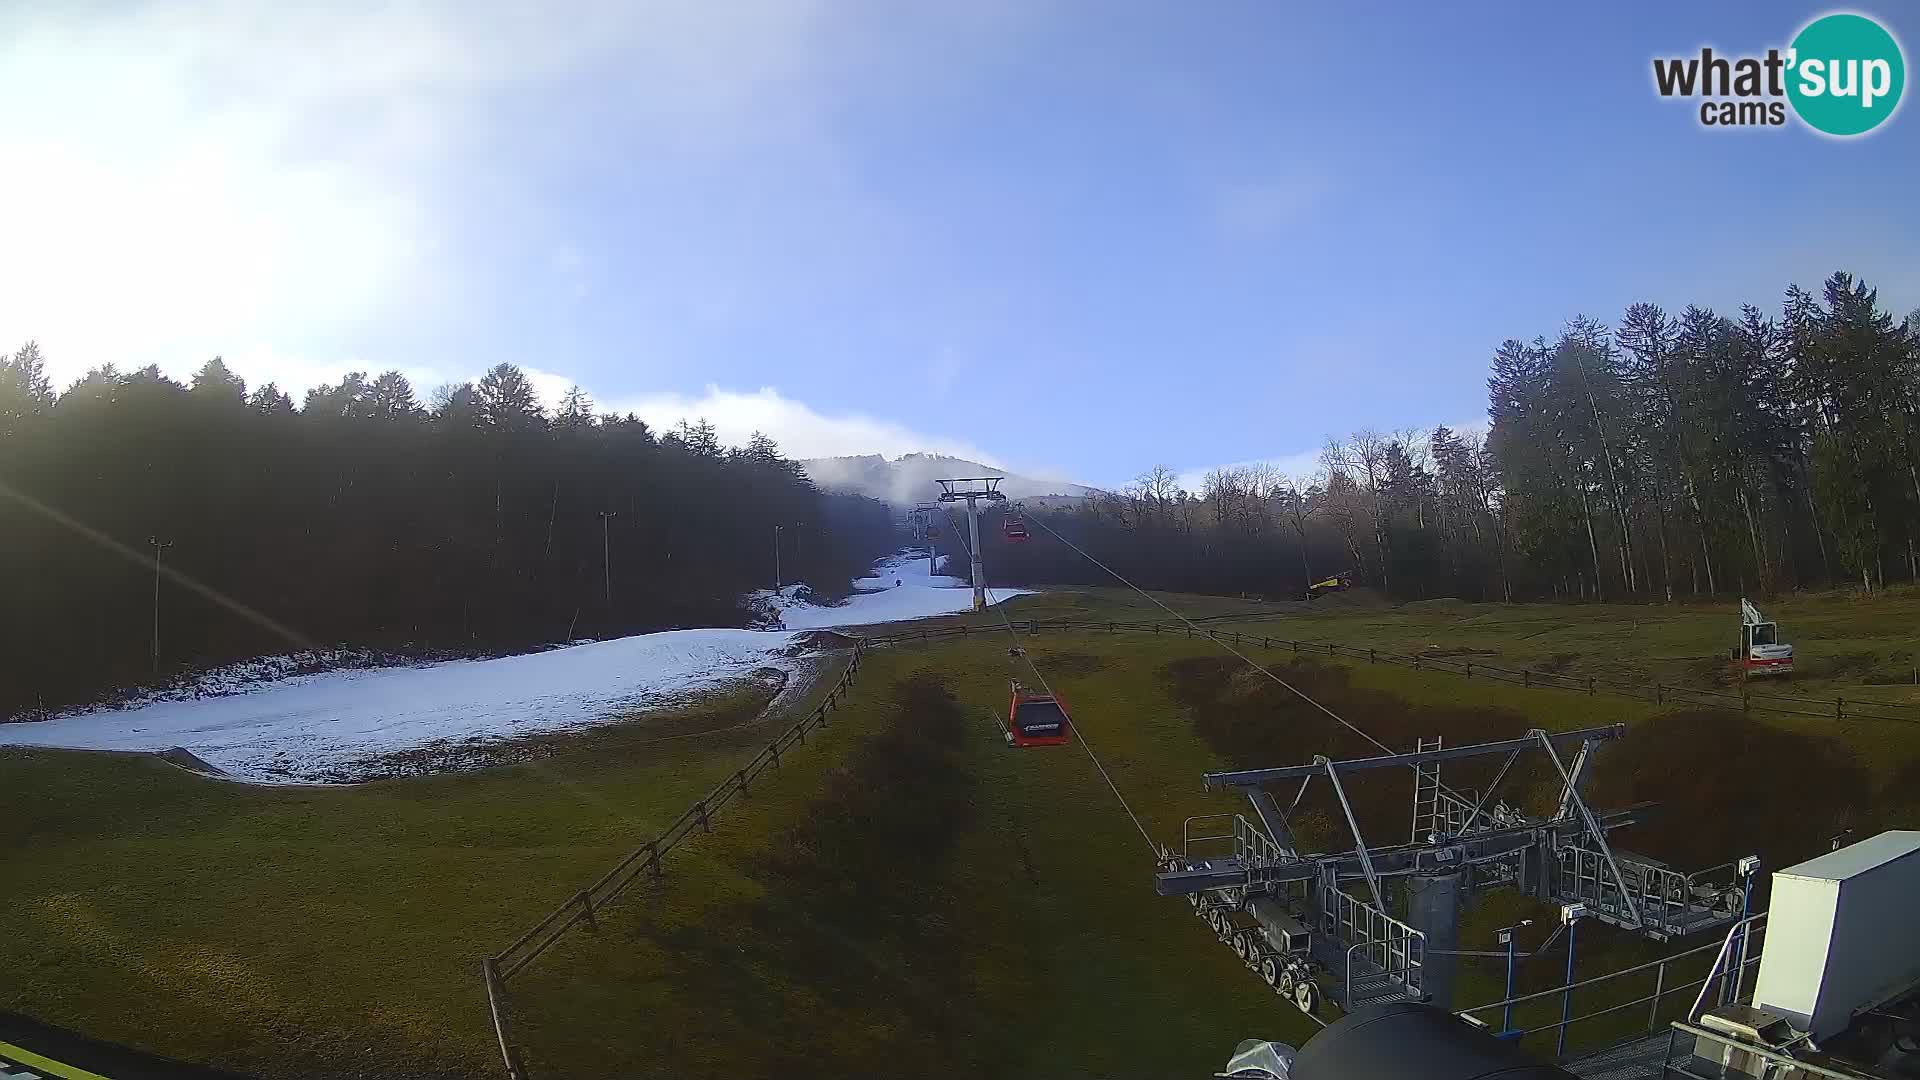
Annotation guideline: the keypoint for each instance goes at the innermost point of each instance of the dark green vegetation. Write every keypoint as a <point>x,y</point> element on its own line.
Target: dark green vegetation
<point>1665,456</point>
<point>904,890</point>
<point>367,520</point>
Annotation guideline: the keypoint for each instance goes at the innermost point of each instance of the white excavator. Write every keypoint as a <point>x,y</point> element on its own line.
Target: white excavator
<point>1760,652</point>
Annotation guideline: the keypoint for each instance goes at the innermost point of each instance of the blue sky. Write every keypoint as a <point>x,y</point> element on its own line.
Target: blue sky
<point>1074,238</point>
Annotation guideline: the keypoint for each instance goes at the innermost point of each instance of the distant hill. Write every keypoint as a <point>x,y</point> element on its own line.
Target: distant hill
<point>909,479</point>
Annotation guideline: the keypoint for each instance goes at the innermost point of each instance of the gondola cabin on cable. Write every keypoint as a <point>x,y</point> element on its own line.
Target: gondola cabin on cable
<point>1015,530</point>
<point>1037,718</point>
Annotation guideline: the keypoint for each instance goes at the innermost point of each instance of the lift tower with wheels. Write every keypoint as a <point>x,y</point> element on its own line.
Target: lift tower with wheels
<point>973,490</point>
<point>1331,919</point>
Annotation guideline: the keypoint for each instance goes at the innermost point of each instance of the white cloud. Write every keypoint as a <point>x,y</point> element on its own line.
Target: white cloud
<point>1305,466</point>
<point>800,430</point>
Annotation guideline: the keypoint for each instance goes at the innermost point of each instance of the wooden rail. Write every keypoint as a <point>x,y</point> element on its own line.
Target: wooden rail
<point>584,905</point>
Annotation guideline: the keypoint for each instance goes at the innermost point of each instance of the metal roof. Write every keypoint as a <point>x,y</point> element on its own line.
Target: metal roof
<point>1857,858</point>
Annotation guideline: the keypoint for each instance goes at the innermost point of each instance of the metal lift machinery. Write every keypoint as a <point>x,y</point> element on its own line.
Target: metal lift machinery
<point>1308,923</point>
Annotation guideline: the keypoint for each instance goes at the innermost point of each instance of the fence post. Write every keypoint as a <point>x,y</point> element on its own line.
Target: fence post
<point>1109,626</point>
<point>742,777</point>
<point>1370,656</point>
<point>653,859</point>
<point>700,810</point>
<point>496,1004</point>
<point>1839,708</point>
<point>1659,694</point>
<point>586,905</point>
<point>1266,643</point>
<point>1589,686</point>
<point>1659,984</point>
<point>774,749</point>
<point>1296,647</point>
<point>1416,661</point>
<point>1526,677</point>
<point>1330,651</point>
<point>1469,669</point>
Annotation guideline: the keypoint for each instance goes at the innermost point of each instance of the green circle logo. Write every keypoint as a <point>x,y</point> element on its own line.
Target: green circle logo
<point>1845,74</point>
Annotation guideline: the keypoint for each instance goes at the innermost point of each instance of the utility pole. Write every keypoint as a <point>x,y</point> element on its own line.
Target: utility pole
<point>972,490</point>
<point>606,552</point>
<point>158,547</point>
<point>776,558</point>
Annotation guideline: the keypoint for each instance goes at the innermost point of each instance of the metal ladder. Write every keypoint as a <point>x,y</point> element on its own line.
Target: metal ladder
<point>1426,791</point>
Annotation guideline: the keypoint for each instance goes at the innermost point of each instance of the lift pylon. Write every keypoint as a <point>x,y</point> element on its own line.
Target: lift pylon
<point>973,490</point>
<point>1364,946</point>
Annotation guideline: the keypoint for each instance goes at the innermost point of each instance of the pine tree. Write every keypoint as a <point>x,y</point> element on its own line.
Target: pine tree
<point>215,381</point>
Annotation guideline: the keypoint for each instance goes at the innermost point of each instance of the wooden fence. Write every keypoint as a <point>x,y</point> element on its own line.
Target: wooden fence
<point>582,907</point>
<point>1835,708</point>
<point>644,861</point>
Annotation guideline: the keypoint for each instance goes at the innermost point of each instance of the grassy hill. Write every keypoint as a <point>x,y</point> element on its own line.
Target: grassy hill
<point>905,890</point>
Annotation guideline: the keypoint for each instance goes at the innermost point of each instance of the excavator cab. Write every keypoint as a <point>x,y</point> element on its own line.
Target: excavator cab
<point>1760,652</point>
<point>1037,718</point>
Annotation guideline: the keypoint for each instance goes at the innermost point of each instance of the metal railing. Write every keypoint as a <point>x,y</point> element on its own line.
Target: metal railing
<point>1668,984</point>
<point>1390,947</point>
<point>1674,902</point>
<point>583,906</point>
<point>1789,1065</point>
<point>1836,708</point>
<point>1253,848</point>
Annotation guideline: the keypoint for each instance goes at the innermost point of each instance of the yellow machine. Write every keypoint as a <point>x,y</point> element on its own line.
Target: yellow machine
<point>1336,583</point>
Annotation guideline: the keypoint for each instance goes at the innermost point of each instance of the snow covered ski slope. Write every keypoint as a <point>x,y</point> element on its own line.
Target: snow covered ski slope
<point>350,725</point>
<point>343,725</point>
<point>899,588</point>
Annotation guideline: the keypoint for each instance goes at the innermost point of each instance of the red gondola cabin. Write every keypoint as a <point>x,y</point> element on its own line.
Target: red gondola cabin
<point>1016,530</point>
<point>1037,718</point>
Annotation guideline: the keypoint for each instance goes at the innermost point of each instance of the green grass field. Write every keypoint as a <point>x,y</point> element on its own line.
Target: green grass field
<point>904,891</point>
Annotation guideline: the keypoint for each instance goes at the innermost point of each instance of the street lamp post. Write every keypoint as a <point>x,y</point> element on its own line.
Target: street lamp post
<point>1571,914</point>
<point>606,552</point>
<point>158,547</point>
<point>1506,938</point>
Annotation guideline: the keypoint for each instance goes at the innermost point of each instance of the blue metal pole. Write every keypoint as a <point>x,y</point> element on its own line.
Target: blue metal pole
<point>1730,988</point>
<point>1566,996</point>
<point>1506,1017</point>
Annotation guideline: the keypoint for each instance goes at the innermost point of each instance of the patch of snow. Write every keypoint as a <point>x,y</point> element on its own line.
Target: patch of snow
<point>899,588</point>
<point>339,716</point>
<point>339,724</point>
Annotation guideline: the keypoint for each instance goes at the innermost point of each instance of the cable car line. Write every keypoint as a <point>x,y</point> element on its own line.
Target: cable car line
<point>1020,647</point>
<point>1261,668</point>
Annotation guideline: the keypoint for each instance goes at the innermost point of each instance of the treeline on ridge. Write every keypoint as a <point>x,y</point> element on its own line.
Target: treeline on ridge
<point>1659,458</point>
<point>476,523</point>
